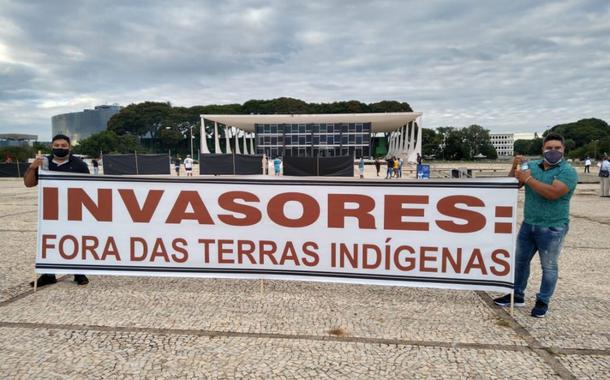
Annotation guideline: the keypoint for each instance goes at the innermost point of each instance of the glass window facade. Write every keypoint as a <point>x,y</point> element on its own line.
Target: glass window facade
<point>326,139</point>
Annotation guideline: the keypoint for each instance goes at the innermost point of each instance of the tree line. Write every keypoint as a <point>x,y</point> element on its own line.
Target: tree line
<point>450,143</point>
<point>161,127</point>
<point>583,138</point>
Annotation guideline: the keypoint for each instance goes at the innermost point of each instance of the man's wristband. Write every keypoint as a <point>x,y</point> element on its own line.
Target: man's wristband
<point>527,179</point>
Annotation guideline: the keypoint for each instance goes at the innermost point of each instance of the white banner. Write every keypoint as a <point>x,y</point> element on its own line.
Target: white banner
<point>440,234</point>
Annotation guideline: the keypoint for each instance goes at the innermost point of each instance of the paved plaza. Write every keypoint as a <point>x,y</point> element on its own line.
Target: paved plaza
<point>134,327</point>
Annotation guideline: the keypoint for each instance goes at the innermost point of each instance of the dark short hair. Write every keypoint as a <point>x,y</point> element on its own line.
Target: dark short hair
<point>554,136</point>
<point>61,137</point>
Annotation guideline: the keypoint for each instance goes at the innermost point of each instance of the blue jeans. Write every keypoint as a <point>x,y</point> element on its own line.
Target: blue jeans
<point>547,241</point>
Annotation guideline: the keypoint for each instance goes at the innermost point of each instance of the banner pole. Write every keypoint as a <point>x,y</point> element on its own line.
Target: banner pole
<point>135,154</point>
<point>18,171</point>
<point>38,230</point>
<point>512,303</point>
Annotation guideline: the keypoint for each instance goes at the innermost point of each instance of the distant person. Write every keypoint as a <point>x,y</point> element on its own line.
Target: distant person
<point>400,162</point>
<point>361,167</point>
<point>390,167</point>
<point>188,165</point>
<point>395,166</point>
<point>96,166</point>
<point>549,185</point>
<point>177,165</point>
<point>418,159</point>
<point>377,165</point>
<point>277,163</point>
<point>265,163</point>
<point>587,164</point>
<point>61,160</point>
<point>604,177</point>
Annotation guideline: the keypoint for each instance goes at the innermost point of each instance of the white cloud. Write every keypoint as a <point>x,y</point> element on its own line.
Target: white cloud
<point>504,65</point>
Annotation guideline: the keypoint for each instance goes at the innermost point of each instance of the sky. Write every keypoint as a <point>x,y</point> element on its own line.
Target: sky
<point>509,66</point>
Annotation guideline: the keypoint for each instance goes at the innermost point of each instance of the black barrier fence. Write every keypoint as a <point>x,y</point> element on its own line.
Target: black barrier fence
<point>13,169</point>
<point>246,164</point>
<point>230,164</point>
<point>120,164</point>
<point>319,166</point>
<point>300,166</point>
<point>153,164</point>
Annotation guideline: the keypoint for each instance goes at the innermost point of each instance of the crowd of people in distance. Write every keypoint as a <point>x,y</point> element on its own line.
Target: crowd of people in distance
<point>188,165</point>
<point>394,167</point>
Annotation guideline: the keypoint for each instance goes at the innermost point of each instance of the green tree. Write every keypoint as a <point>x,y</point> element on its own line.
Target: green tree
<point>17,153</point>
<point>582,131</point>
<point>535,148</point>
<point>142,119</point>
<point>522,146</point>
<point>108,142</point>
<point>431,143</point>
<point>476,140</point>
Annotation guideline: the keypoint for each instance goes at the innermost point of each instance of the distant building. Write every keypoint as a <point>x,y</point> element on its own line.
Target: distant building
<point>16,139</point>
<point>505,142</point>
<point>80,125</point>
<point>312,135</point>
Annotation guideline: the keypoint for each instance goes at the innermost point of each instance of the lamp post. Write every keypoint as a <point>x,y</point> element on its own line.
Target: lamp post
<point>191,129</point>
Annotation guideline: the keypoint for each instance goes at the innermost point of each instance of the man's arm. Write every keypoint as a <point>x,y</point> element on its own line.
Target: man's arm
<point>516,162</point>
<point>554,191</point>
<point>30,179</point>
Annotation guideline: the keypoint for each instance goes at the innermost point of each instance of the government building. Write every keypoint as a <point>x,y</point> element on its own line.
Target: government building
<point>80,125</point>
<point>505,142</point>
<point>309,135</point>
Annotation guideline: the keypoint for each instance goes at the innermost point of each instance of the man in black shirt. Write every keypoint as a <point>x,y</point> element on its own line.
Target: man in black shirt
<point>61,161</point>
<point>390,162</point>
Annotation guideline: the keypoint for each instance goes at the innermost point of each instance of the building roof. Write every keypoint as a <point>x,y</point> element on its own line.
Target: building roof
<point>380,122</point>
<point>17,136</point>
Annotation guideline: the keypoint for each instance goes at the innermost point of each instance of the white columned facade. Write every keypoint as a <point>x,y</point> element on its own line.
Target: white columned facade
<point>216,140</point>
<point>403,140</point>
<point>411,142</point>
<point>227,140</point>
<point>418,142</point>
<point>245,146</point>
<point>236,131</point>
<point>405,144</point>
<point>398,129</point>
<point>203,138</point>
<point>399,142</point>
<point>392,143</point>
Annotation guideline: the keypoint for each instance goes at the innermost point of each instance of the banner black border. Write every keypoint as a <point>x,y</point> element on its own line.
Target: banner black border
<point>285,182</point>
<point>365,276</point>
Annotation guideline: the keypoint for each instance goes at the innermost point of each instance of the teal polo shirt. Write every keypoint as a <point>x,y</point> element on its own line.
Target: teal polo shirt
<point>540,211</point>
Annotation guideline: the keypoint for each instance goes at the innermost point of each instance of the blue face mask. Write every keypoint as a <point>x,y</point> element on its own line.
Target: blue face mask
<point>552,157</point>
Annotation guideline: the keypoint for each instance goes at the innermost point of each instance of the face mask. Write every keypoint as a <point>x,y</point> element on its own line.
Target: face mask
<point>552,157</point>
<point>61,153</point>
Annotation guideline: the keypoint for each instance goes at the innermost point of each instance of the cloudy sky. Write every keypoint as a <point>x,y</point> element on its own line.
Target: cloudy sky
<point>506,65</point>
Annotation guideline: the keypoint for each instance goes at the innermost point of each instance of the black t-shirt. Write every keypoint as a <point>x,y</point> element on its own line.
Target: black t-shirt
<point>74,165</point>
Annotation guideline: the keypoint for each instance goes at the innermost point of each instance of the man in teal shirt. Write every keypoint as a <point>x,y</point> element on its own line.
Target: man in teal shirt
<point>549,186</point>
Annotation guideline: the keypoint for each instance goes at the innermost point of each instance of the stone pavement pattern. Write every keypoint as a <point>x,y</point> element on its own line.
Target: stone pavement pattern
<point>132,327</point>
